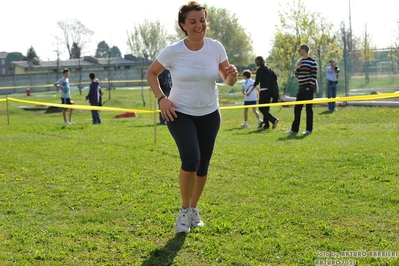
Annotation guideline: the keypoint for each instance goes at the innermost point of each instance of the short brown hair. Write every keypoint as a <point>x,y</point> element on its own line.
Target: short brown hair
<point>184,9</point>
<point>304,47</point>
<point>65,70</point>
<point>246,73</point>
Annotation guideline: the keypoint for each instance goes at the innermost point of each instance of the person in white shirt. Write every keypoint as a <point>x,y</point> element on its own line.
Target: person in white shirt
<point>192,108</point>
<point>250,97</point>
<point>63,84</point>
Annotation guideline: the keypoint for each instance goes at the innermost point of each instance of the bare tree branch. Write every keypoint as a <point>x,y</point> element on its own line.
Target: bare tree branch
<point>74,32</point>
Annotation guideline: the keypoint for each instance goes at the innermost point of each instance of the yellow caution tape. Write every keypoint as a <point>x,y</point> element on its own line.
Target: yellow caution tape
<point>340,99</point>
<point>325,100</point>
<point>83,107</point>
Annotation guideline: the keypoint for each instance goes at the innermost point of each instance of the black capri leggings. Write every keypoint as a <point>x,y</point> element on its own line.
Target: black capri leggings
<point>195,138</point>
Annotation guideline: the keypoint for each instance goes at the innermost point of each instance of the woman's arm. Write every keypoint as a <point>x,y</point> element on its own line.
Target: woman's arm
<point>167,107</point>
<point>152,77</point>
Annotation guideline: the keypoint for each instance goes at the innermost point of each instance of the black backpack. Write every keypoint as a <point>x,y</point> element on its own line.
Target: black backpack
<point>275,90</point>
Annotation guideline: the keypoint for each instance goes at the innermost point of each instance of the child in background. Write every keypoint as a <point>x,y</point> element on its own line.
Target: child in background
<point>250,98</point>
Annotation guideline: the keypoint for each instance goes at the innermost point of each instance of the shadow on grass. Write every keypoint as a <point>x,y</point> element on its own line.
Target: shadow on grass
<point>53,109</point>
<point>166,255</point>
<point>293,137</point>
<point>326,112</point>
<point>244,131</point>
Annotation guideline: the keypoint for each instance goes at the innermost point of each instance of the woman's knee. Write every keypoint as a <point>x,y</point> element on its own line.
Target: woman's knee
<point>190,165</point>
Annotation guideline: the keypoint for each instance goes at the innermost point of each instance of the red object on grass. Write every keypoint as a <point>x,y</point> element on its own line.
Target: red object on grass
<point>126,115</point>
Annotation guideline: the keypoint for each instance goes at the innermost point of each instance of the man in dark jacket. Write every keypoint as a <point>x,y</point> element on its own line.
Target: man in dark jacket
<point>94,98</point>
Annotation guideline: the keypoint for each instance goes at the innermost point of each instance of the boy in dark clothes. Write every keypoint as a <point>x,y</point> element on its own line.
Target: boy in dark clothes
<point>94,98</point>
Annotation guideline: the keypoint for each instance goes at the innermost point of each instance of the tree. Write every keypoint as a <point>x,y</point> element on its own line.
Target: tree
<point>366,55</point>
<point>30,54</point>
<point>394,50</point>
<point>224,27</point>
<point>102,50</point>
<point>79,74</point>
<point>75,51</point>
<point>115,52</point>
<point>296,27</point>
<point>74,32</point>
<point>394,55</point>
<point>146,40</point>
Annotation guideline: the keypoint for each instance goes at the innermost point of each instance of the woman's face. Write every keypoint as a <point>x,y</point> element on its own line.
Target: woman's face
<point>195,25</point>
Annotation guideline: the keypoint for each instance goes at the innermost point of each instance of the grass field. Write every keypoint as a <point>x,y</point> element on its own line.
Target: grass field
<point>108,194</point>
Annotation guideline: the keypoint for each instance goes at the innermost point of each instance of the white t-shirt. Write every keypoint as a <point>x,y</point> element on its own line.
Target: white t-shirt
<point>247,87</point>
<point>194,75</point>
<point>65,91</point>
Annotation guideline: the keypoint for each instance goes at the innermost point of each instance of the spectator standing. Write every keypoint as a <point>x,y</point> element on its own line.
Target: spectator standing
<point>94,97</point>
<point>306,73</point>
<point>332,80</point>
<point>63,84</point>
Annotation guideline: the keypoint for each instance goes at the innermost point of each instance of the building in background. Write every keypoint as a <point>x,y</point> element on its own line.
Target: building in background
<point>40,75</point>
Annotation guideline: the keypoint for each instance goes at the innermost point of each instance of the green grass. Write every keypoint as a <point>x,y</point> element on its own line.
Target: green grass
<point>108,195</point>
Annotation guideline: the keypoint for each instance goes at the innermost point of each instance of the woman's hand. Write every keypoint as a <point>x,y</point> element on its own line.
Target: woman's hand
<point>167,109</point>
<point>231,70</point>
<point>231,75</point>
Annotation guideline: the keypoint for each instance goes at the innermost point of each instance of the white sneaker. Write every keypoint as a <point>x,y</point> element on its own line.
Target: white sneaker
<point>244,125</point>
<point>195,218</point>
<point>306,132</point>
<point>290,132</point>
<point>71,122</point>
<point>68,123</point>
<point>183,222</point>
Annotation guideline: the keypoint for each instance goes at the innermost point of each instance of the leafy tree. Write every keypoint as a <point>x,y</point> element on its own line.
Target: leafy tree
<point>148,39</point>
<point>74,32</point>
<point>115,52</point>
<point>75,51</point>
<point>30,54</point>
<point>298,26</point>
<point>224,27</point>
<point>102,50</point>
<point>14,56</point>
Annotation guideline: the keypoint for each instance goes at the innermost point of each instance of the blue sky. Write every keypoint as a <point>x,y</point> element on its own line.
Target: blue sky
<point>26,23</point>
